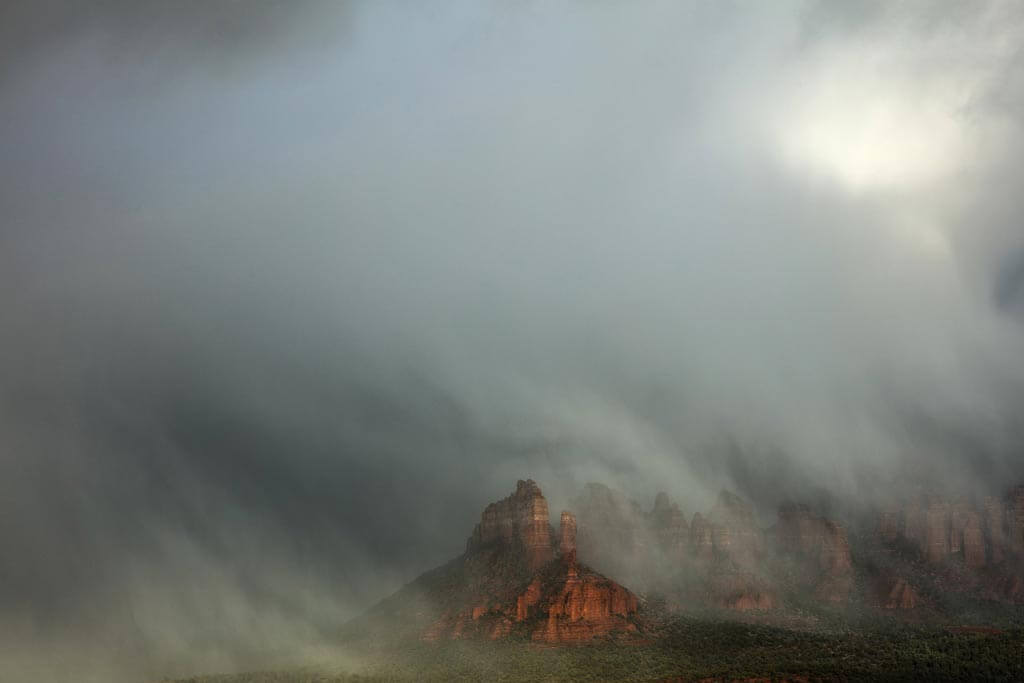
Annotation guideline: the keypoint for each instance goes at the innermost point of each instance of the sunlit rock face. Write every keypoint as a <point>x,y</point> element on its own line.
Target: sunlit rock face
<point>576,604</point>
<point>510,582</point>
<point>518,578</point>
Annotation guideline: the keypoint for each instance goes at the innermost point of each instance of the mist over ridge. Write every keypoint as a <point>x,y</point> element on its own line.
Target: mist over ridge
<point>290,291</point>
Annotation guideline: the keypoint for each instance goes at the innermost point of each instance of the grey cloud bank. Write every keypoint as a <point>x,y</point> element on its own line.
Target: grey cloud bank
<point>289,291</point>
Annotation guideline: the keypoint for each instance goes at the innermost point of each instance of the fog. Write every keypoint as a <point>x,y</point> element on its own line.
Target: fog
<point>290,291</point>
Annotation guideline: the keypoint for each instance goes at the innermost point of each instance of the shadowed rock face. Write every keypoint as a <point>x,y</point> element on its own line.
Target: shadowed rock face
<point>800,532</point>
<point>995,537</point>
<point>717,556</point>
<point>519,520</point>
<point>972,540</point>
<point>960,513</point>
<point>896,593</point>
<point>834,558</point>
<point>669,526</point>
<point>1015,520</point>
<point>612,534</point>
<point>567,533</point>
<point>823,547</point>
<point>734,533</point>
<point>701,539</point>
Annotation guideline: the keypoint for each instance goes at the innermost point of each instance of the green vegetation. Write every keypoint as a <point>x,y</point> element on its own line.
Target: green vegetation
<point>694,649</point>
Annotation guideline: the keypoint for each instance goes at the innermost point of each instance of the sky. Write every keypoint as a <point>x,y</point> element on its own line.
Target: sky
<point>290,290</point>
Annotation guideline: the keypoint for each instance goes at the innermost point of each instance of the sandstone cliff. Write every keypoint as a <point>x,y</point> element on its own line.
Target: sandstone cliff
<point>984,534</point>
<point>822,547</point>
<point>510,580</point>
<point>520,521</point>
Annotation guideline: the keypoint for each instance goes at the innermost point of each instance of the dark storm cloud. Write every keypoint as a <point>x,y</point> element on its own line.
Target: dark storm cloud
<point>291,290</point>
<point>218,36</point>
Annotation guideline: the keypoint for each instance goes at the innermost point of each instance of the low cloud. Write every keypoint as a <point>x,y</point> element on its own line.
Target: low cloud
<point>292,290</point>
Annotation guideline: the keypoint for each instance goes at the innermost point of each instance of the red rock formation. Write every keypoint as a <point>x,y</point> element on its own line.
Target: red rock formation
<point>1013,589</point>
<point>973,540</point>
<point>1015,520</point>
<point>520,519</point>
<point>567,533</point>
<point>701,539</point>
<point>993,527</point>
<point>798,531</point>
<point>669,526</point>
<point>890,524</point>
<point>834,558</point>
<point>915,522</point>
<point>739,590</point>
<point>579,605</point>
<point>896,593</point>
<point>527,600</point>
<point>611,533</point>
<point>823,547</point>
<point>732,510</point>
<point>936,532</point>
<point>508,581</point>
<point>750,599</point>
<point>734,533</point>
<point>960,512</point>
<point>564,603</point>
<point>941,529</point>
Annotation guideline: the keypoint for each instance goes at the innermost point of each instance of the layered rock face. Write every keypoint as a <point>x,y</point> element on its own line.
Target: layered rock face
<point>834,558</point>
<point>972,540</point>
<point>823,546</point>
<point>734,533</point>
<point>668,523</point>
<point>612,533</point>
<point>980,535</point>
<point>1015,520</point>
<point>567,533</point>
<point>717,555</point>
<point>895,593</point>
<point>995,538</point>
<point>510,581</point>
<point>577,604</point>
<point>800,532</point>
<point>701,539</point>
<point>520,520</point>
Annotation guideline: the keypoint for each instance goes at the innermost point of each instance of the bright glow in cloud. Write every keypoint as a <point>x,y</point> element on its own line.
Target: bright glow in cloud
<point>869,130</point>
